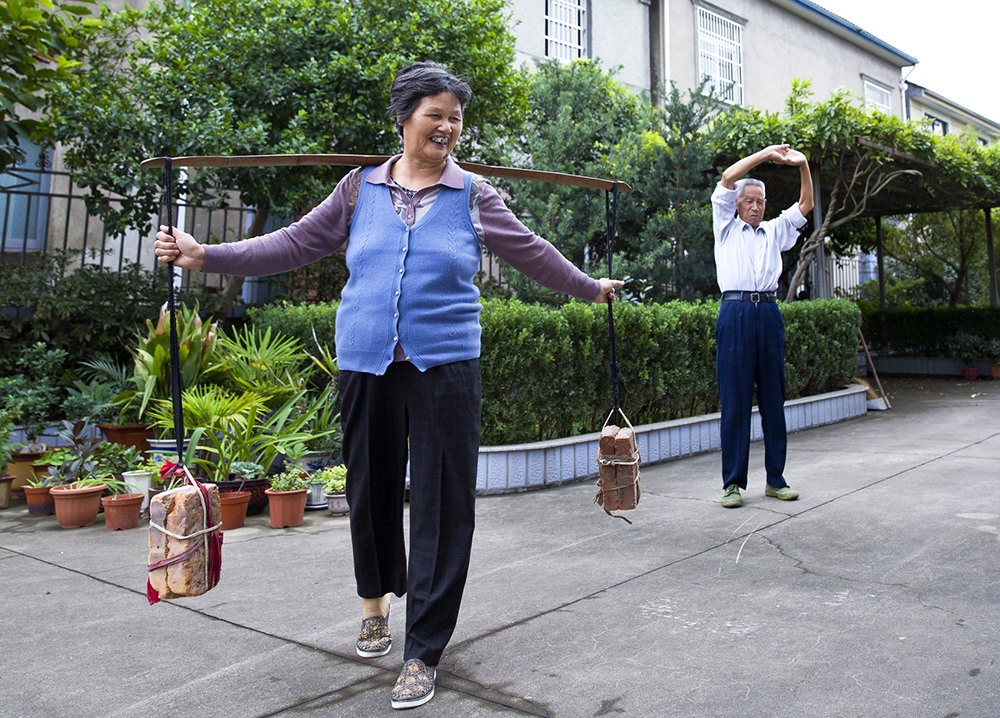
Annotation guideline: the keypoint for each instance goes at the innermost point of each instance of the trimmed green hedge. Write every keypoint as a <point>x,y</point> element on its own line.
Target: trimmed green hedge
<point>298,320</point>
<point>545,370</point>
<point>922,331</point>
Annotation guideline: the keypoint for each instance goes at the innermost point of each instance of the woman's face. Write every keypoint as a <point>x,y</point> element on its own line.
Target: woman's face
<point>432,131</point>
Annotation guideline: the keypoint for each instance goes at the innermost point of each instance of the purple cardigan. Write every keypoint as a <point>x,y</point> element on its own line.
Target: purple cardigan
<point>327,227</point>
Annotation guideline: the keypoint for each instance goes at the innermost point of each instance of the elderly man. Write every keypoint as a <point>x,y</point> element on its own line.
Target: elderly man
<point>749,333</point>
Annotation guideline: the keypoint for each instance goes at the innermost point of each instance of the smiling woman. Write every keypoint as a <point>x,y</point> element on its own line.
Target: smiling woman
<point>408,344</point>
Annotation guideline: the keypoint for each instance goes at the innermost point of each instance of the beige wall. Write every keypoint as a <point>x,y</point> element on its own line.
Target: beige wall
<point>620,37</point>
<point>779,46</point>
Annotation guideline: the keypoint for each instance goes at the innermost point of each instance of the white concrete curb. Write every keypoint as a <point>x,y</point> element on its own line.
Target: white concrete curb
<point>520,467</point>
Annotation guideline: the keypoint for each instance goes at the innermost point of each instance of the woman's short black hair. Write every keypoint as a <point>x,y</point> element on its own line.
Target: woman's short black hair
<point>419,80</point>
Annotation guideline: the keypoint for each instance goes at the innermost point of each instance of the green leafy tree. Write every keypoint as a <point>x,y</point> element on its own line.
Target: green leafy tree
<point>666,221</point>
<point>949,249</point>
<point>584,122</point>
<point>234,77</point>
<point>578,113</point>
<point>37,40</point>
<point>859,153</point>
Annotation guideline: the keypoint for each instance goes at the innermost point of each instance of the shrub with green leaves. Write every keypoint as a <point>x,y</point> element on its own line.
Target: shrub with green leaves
<point>545,370</point>
<point>85,311</point>
<point>298,320</point>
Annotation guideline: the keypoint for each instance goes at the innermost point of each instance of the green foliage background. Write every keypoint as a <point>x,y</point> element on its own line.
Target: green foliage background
<point>545,369</point>
<point>234,77</point>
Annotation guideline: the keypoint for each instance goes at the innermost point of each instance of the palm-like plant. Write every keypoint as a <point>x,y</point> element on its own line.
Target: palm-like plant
<point>273,366</point>
<point>238,427</point>
<point>152,356</point>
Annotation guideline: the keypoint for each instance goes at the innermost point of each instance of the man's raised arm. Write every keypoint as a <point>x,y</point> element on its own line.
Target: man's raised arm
<point>774,153</point>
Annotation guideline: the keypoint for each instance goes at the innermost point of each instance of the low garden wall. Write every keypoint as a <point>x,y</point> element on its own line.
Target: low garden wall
<point>520,467</point>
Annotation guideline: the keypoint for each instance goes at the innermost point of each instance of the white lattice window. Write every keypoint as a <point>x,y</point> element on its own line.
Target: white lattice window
<point>720,54</point>
<point>877,97</point>
<point>565,29</point>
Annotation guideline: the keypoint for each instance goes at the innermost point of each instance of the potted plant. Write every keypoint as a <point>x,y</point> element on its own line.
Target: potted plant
<point>116,459</point>
<point>7,447</point>
<point>287,498</point>
<point>326,437</point>
<point>967,347</point>
<point>78,502</point>
<point>235,501</point>
<point>75,491</point>
<point>991,350</point>
<point>123,508</point>
<point>53,456</point>
<point>295,456</point>
<point>37,492</point>
<point>151,356</point>
<point>117,409</point>
<point>32,394</point>
<point>238,428</point>
<point>334,480</point>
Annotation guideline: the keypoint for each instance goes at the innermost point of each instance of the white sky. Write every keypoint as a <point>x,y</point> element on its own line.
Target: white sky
<point>955,42</point>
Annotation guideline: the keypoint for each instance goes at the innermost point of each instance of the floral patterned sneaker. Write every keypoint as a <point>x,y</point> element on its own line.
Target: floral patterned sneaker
<point>375,639</point>
<point>415,685</point>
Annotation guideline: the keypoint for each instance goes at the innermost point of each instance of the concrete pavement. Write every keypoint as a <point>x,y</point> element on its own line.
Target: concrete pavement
<point>875,594</point>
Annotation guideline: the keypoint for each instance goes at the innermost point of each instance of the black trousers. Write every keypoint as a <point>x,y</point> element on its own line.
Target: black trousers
<point>433,416</point>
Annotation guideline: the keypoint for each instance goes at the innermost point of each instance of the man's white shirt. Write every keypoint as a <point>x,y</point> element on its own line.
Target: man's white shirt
<point>745,258</point>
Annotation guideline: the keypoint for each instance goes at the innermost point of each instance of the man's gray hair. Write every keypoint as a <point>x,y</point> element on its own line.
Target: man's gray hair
<point>742,184</point>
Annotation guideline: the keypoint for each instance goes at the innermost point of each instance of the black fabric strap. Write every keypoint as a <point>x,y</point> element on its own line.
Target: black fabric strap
<point>175,350</point>
<point>611,217</point>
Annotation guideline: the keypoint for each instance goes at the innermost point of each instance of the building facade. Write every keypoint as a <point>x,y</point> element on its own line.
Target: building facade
<point>946,117</point>
<point>750,49</point>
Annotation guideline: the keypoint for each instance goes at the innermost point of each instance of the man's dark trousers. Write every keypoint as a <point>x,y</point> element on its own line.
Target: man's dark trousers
<point>439,412</point>
<point>750,350</point>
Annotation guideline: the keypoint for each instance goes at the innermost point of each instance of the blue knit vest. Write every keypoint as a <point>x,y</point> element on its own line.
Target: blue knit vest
<point>409,285</point>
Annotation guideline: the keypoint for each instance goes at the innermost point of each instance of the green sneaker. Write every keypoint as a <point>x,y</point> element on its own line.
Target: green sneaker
<point>785,493</point>
<point>731,498</point>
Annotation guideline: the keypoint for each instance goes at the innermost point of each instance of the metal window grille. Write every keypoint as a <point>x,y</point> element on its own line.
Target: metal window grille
<point>565,29</point>
<point>720,54</point>
<point>877,97</point>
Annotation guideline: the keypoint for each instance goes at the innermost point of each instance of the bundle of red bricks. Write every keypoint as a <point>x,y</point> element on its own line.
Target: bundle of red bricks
<point>180,512</point>
<point>618,464</point>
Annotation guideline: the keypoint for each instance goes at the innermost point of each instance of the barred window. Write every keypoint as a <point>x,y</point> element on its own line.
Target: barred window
<point>720,54</point>
<point>566,29</point>
<point>877,96</point>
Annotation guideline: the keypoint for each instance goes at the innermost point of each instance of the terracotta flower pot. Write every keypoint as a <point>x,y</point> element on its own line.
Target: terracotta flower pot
<point>5,489</point>
<point>337,504</point>
<point>288,508</point>
<point>995,371</point>
<point>136,435</point>
<point>970,373</point>
<point>40,501</point>
<point>121,511</point>
<point>234,508</point>
<point>77,506</point>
